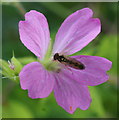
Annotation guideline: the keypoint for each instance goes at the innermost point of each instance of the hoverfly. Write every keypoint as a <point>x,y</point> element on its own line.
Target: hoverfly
<point>71,62</point>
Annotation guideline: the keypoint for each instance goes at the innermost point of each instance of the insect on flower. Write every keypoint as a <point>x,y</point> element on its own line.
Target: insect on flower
<point>53,71</point>
<point>69,61</point>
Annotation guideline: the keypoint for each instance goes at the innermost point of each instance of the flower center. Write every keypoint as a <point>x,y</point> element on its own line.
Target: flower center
<point>51,65</point>
<point>48,62</point>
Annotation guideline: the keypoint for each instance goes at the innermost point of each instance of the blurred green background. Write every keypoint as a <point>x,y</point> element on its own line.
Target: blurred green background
<point>16,103</point>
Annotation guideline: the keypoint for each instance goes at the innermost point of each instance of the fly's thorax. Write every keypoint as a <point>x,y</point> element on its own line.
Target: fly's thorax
<point>60,58</point>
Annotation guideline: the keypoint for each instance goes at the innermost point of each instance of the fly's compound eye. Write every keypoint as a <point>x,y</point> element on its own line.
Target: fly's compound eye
<point>56,56</point>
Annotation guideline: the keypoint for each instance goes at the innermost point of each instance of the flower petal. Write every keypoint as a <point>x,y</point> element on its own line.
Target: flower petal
<point>34,33</point>
<point>76,32</point>
<point>94,72</point>
<point>37,80</point>
<point>70,94</point>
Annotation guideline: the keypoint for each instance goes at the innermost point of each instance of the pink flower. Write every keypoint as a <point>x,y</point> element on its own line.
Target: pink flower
<point>70,85</point>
